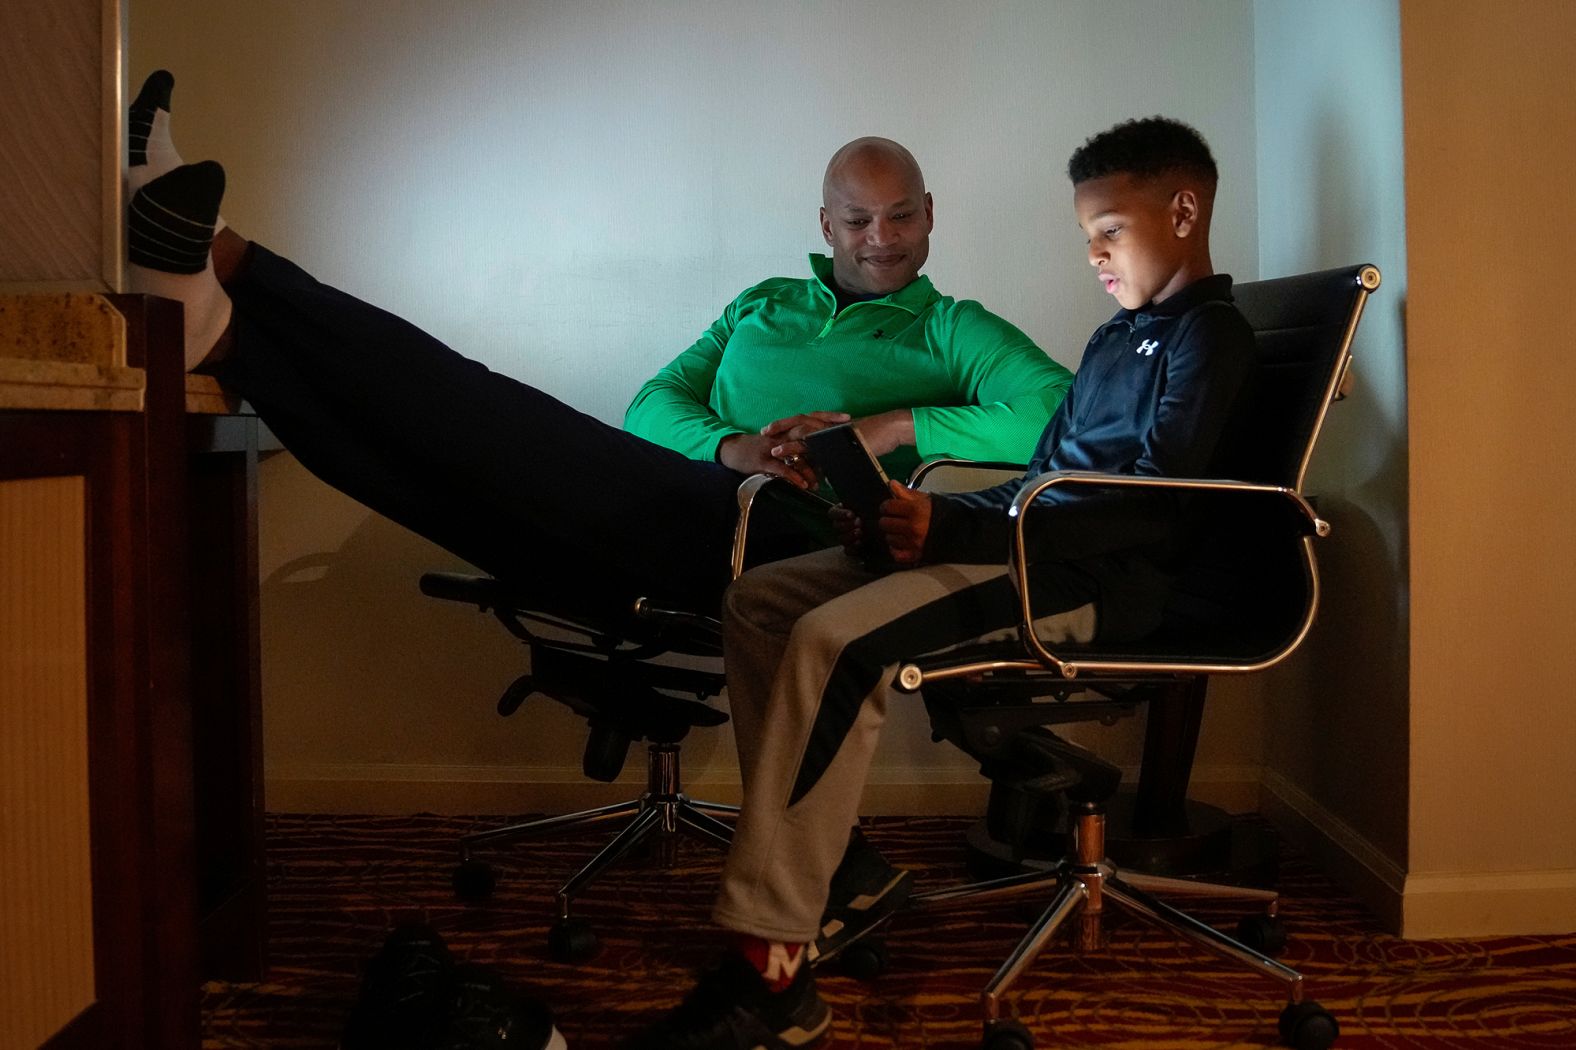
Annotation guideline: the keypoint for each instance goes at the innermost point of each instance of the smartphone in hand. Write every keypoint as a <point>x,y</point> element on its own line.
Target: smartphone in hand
<point>846,462</point>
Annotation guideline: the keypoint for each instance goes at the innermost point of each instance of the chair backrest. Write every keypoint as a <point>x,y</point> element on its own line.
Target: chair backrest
<point>1303,328</point>
<point>1249,583</point>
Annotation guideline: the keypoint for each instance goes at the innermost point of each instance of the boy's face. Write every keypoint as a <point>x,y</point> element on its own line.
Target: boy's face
<point>1138,232</point>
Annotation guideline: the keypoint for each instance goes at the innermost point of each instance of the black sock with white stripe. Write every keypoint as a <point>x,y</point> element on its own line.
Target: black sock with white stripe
<point>148,128</point>
<point>170,224</point>
<point>150,148</point>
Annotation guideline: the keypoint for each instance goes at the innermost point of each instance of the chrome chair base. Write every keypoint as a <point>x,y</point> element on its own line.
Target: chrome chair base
<point>662,810</point>
<point>1083,884</point>
<point>1212,845</point>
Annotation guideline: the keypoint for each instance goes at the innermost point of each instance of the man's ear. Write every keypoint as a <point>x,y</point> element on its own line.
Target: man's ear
<point>1184,212</point>
<point>930,213</point>
<point>826,228</point>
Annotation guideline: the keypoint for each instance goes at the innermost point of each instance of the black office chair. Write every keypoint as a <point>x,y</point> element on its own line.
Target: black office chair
<point>608,672</point>
<point>613,668</point>
<point>1244,603</point>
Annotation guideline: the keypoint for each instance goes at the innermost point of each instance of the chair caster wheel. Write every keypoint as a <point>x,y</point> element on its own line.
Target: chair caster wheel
<point>1263,933</point>
<point>1308,1026</point>
<point>571,941</point>
<point>474,880</point>
<point>1007,1035</point>
<point>865,960</point>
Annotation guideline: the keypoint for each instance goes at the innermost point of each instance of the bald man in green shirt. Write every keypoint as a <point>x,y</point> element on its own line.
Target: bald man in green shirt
<point>924,374</point>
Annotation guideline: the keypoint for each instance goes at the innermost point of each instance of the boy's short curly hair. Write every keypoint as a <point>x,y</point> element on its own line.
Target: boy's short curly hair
<point>1143,148</point>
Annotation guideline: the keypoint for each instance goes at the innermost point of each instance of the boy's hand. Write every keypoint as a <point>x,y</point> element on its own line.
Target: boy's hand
<point>850,532</point>
<point>905,522</point>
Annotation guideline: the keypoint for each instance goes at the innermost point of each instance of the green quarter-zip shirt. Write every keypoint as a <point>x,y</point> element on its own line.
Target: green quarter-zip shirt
<point>979,388</point>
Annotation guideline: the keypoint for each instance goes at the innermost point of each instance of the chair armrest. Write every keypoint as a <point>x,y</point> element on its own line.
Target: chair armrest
<point>1018,561</point>
<point>749,491</point>
<point>932,466</point>
<point>755,485</point>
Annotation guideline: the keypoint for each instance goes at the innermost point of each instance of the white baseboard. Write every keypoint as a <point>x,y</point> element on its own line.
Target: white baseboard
<point>1336,847</point>
<point>397,789</point>
<point>1421,906</point>
<point>382,788</point>
<point>389,790</point>
<point>1485,904</point>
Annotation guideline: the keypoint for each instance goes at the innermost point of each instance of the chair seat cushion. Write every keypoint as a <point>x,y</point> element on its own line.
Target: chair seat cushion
<point>691,635</point>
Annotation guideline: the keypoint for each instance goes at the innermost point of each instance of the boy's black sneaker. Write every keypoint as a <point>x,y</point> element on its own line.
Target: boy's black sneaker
<point>732,1008</point>
<point>865,890</point>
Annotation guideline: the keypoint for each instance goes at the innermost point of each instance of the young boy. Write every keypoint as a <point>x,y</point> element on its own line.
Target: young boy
<point>812,643</point>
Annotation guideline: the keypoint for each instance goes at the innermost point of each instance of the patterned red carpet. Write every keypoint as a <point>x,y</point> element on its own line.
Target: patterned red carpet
<point>337,883</point>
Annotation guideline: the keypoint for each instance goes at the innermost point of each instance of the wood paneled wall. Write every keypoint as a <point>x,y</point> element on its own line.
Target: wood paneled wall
<point>60,143</point>
<point>46,894</point>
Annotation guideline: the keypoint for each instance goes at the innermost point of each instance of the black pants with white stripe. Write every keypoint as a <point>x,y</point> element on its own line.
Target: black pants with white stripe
<point>812,644</point>
<point>513,480</point>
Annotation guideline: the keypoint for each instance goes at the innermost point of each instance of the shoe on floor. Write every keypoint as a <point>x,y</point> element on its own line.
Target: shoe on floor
<point>865,890</point>
<point>407,993</point>
<point>731,1008</point>
<point>489,1015</point>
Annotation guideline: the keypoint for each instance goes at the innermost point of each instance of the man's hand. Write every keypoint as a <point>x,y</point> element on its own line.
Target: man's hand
<point>794,428</point>
<point>789,435</point>
<point>779,447</point>
<point>758,454</point>
<point>905,522</point>
<point>887,431</point>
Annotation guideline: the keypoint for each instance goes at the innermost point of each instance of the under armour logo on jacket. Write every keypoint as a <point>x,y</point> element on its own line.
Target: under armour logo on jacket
<point>1148,347</point>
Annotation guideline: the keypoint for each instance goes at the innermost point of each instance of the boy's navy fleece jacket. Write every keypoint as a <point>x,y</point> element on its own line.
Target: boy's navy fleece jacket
<point>1152,395</point>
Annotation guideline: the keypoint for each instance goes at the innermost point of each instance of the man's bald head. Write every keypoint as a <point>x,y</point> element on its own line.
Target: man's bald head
<point>856,159</point>
<point>875,215</point>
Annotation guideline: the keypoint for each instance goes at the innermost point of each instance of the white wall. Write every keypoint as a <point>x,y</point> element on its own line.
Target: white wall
<point>570,192</point>
<point>1331,193</point>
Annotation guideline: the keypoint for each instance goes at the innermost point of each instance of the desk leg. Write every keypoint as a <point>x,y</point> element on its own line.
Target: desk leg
<point>226,696</point>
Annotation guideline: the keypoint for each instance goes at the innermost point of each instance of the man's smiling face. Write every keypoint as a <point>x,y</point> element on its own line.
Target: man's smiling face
<point>876,216</point>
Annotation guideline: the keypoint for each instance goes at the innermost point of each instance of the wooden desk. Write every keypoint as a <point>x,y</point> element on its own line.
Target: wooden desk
<point>129,701</point>
<point>94,482</point>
